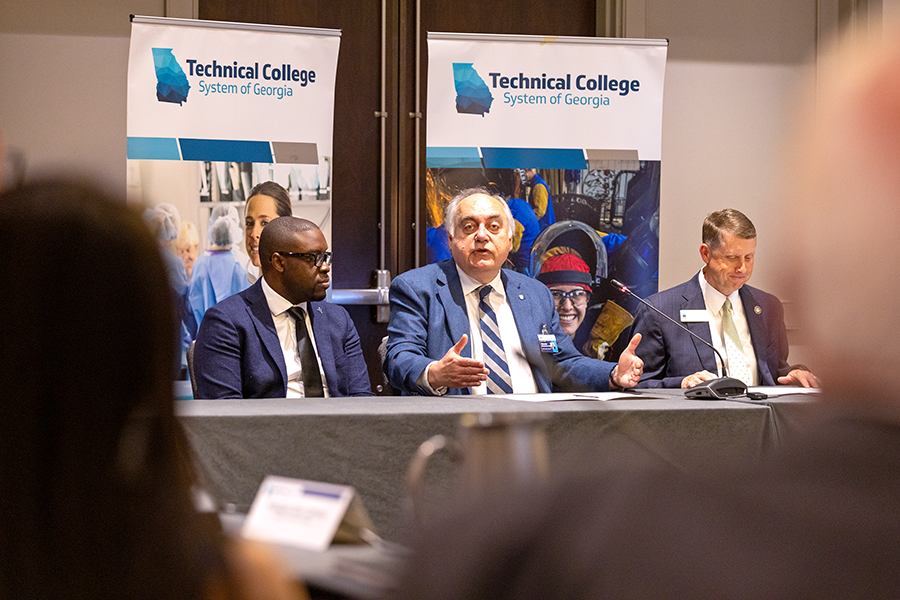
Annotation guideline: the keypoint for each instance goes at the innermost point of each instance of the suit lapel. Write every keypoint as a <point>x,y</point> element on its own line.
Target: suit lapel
<point>450,295</point>
<point>524,316</point>
<point>265,326</point>
<point>757,327</point>
<point>693,300</point>
<point>322,335</point>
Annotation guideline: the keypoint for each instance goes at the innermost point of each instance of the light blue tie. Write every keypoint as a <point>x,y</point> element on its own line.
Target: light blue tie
<point>499,381</point>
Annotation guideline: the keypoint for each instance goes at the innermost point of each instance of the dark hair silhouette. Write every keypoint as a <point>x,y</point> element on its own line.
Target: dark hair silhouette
<point>96,490</point>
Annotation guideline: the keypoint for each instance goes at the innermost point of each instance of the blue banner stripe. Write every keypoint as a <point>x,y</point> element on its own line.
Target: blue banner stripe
<point>226,150</point>
<point>452,158</point>
<point>153,148</point>
<point>537,158</point>
<point>453,163</point>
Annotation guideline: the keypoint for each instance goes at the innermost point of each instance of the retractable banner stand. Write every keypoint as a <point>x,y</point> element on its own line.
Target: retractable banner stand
<point>215,108</point>
<point>568,131</point>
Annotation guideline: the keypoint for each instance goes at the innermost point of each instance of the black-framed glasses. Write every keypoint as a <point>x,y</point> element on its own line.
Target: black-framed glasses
<point>317,259</point>
<point>578,297</point>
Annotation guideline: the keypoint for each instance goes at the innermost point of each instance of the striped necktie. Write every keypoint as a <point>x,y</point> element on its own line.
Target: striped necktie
<point>499,381</point>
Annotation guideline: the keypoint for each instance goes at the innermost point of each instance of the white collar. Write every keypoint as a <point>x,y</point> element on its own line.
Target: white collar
<point>714,299</point>
<point>469,284</point>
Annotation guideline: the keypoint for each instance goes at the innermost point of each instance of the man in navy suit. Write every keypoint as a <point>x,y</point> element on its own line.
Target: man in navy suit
<point>435,342</point>
<point>250,345</point>
<point>674,358</point>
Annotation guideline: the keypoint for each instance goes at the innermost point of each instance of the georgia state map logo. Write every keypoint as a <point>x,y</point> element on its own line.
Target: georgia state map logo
<point>171,82</point>
<point>472,94</point>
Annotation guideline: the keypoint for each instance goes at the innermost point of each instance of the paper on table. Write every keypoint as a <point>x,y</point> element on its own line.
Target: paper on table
<point>601,396</point>
<point>773,391</point>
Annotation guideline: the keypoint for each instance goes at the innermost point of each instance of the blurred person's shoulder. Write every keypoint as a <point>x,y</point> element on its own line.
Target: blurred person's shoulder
<point>817,519</point>
<point>254,572</point>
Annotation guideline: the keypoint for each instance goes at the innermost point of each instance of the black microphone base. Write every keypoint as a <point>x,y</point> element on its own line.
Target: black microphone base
<point>717,389</point>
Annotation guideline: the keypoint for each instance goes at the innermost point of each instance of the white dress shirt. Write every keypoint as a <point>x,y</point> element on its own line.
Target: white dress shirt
<point>286,328</point>
<point>714,299</point>
<point>519,370</point>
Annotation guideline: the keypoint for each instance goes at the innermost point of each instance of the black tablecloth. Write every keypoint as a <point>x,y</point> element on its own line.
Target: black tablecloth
<point>367,443</point>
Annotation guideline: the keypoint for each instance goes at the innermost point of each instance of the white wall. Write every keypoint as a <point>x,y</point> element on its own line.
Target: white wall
<point>63,103</point>
<point>732,77</point>
<point>63,66</point>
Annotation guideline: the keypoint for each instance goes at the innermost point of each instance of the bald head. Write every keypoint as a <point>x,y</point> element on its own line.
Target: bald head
<point>845,218</point>
<point>278,235</point>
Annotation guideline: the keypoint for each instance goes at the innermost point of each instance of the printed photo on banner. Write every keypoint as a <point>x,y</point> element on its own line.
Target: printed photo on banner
<point>568,132</point>
<point>216,149</point>
<point>601,223</point>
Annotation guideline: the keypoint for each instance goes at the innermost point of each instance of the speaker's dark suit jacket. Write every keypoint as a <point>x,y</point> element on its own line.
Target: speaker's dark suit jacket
<point>428,316</point>
<point>238,355</point>
<point>671,354</point>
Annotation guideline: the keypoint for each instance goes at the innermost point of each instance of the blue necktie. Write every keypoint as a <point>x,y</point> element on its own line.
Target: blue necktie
<point>499,381</point>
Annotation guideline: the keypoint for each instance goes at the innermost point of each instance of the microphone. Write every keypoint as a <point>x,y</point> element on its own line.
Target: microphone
<point>717,389</point>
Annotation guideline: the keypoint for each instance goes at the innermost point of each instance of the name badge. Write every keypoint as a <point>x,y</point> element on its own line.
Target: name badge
<point>694,316</point>
<point>548,343</point>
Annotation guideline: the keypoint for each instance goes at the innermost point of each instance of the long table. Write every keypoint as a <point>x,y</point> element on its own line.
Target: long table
<point>368,443</point>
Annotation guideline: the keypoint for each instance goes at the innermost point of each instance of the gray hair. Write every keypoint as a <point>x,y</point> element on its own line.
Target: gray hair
<point>163,220</point>
<point>229,212</point>
<point>453,207</point>
<point>221,232</point>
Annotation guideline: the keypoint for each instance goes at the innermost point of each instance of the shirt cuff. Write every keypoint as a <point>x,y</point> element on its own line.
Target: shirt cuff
<point>423,383</point>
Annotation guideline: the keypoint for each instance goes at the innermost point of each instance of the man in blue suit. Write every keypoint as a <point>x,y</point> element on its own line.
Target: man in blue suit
<point>256,344</point>
<point>435,340</point>
<point>674,358</point>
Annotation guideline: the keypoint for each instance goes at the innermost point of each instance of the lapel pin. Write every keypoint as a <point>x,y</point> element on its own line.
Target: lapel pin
<point>319,308</point>
<point>757,309</point>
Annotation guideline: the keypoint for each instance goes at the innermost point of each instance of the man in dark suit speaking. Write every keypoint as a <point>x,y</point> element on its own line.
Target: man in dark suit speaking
<point>745,324</point>
<point>465,325</point>
<point>257,343</point>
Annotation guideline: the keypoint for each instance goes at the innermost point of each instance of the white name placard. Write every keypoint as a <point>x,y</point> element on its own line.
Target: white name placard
<point>306,514</point>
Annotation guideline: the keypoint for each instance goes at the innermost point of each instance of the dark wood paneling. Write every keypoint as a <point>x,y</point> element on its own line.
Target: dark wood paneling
<point>356,172</point>
<point>528,17</point>
<point>356,131</point>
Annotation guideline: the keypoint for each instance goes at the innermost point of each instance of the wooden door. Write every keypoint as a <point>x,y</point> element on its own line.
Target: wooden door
<point>358,174</point>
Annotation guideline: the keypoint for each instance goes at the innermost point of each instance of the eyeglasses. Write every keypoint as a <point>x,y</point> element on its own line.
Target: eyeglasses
<point>578,297</point>
<point>317,259</point>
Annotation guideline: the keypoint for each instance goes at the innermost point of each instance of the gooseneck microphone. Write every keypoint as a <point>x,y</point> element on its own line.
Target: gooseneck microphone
<point>720,388</point>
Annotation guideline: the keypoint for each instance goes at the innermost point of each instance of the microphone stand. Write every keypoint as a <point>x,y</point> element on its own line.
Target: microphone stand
<point>715,389</point>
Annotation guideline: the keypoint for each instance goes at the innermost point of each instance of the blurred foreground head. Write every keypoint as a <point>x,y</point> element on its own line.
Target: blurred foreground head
<point>95,495</point>
<point>845,219</point>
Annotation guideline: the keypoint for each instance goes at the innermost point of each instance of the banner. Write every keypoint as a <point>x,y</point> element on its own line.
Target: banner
<point>568,131</point>
<point>220,92</point>
<point>214,109</point>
